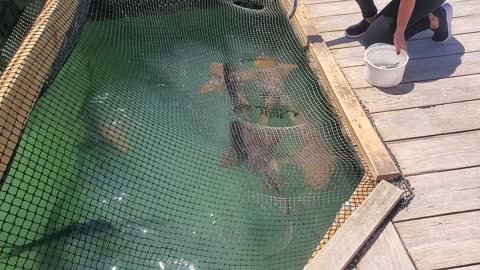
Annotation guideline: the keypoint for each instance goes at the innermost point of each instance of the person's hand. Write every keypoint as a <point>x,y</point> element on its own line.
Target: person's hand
<point>399,41</point>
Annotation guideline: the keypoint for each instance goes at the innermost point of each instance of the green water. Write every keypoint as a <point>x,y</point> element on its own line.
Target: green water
<point>172,206</point>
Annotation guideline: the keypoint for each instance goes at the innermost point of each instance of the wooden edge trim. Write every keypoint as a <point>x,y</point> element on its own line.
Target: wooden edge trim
<point>28,70</point>
<point>361,193</point>
<point>350,238</point>
<point>372,148</point>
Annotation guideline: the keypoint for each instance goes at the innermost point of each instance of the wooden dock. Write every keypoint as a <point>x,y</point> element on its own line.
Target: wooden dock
<point>430,123</point>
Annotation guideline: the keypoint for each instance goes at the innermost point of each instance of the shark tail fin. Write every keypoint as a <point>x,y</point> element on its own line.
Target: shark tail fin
<point>210,86</point>
<point>228,159</point>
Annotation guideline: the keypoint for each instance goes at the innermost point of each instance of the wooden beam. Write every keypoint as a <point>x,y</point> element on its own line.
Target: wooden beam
<point>24,76</point>
<point>351,237</point>
<point>385,251</point>
<point>366,137</point>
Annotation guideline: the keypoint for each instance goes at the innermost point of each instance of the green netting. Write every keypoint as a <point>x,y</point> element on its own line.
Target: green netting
<point>16,18</point>
<point>177,135</point>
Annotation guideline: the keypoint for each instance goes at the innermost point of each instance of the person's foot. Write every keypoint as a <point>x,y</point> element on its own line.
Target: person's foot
<point>444,30</point>
<point>357,30</point>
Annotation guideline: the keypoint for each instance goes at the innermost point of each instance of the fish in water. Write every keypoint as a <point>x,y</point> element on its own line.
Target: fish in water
<point>318,163</point>
<point>116,134</point>
<point>223,76</point>
<point>315,158</point>
<point>255,151</point>
<point>90,227</point>
<point>266,69</point>
<point>218,78</point>
<point>237,96</point>
<point>270,76</point>
<point>268,73</point>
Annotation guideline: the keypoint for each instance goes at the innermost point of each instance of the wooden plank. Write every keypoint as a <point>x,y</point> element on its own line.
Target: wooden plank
<point>348,240</point>
<point>411,95</point>
<point>337,40</point>
<point>422,47</point>
<point>339,22</point>
<point>471,267</point>
<point>417,49</point>
<point>422,122</point>
<point>359,195</point>
<point>22,80</point>
<point>425,69</point>
<point>336,22</point>
<point>337,8</point>
<point>460,25</point>
<point>440,153</point>
<point>369,143</point>
<point>313,2</point>
<point>442,242</point>
<point>443,193</point>
<point>385,251</point>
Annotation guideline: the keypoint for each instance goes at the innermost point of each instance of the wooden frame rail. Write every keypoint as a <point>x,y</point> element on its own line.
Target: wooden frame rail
<point>23,78</point>
<point>350,238</point>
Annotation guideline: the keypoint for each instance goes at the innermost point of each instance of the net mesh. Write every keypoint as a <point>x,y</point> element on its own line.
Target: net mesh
<point>174,135</point>
<point>17,17</point>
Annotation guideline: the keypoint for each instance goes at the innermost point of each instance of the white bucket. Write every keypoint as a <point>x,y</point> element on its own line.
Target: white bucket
<point>384,67</point>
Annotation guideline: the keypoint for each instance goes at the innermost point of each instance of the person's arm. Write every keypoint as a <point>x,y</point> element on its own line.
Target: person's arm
<point>404,13</point>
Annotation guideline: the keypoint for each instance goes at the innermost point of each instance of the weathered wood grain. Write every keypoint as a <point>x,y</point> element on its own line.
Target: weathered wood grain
<point>442,242</point>
<point>439,153</point>
<point>426,94</point>
<point>425,69</point>
<point>347,10</point>
<point>422,122</point>
<point>417,49</point>
<point>471,267</point>
<point>460,25</point>
<point>348,240</point>
<point>443,193</point>
<point>338,8</point>
<point>24,76</point>
<point>338,22</point>
<point>437,102</point>
<point>385,251</point>
<point>313,2</point>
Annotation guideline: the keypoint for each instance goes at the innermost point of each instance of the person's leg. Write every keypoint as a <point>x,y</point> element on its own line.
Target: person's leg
<point>382,28</point>
<point>380,31</point>
<point>441,23</point>
<point>424,8</point>
<point>421,20</point>
<point>369,10</point>
<point>418,27</point>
